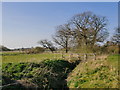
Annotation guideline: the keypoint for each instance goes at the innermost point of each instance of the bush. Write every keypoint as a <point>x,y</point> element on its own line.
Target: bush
<point>39,49</point>
<point>3,48</point>
<point>35,50</point>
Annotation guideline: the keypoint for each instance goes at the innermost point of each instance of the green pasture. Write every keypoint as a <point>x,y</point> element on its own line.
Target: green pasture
<point>113,60</point>
<point>16,57</point>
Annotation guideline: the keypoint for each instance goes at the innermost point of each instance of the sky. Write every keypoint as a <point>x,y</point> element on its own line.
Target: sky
<point>60,0</point>
<point>25,23</point>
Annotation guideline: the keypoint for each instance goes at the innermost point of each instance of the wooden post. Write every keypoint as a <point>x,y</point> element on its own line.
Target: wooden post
<point>94,56</point>
<point>79,58</point>
<point>85,57</point>
<point>71,55</point>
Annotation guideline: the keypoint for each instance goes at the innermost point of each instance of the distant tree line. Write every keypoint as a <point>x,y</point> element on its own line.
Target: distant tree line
<point>3,48</point>
<point>32,50</point>
<point>113,45</point>
<point>24,50</point>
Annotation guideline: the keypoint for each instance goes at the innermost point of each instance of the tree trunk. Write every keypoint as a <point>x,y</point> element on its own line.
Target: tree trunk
<point>66,50</point>
<point>66,46</point>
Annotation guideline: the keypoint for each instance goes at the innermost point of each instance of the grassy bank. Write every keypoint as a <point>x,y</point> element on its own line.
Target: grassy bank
<point>113,60</point>
<point>46,74</point>
<point>100,73</point>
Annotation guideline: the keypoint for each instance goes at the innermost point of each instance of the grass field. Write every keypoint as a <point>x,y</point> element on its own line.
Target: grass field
<point>15,57</point>
<point>113,60</point>
<point>99,73</point>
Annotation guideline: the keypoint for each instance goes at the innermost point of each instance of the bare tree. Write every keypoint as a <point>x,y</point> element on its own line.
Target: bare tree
<point>89,28</point>
<point>63,36</point>
<point>116,37</point>
<point>47,44</point>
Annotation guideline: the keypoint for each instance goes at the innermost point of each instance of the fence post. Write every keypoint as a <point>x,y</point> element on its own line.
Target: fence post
<point>85,57</point>
<point>94,56</point>
<point>71,55</point>
<point>79,58</point>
